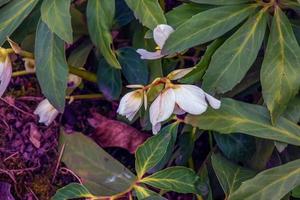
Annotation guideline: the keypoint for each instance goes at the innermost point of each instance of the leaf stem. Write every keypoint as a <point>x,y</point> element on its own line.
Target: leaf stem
<point>85,96</point>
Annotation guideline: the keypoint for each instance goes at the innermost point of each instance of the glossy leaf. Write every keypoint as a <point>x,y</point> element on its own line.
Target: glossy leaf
<point>109,80</point>
<point>56,14</point>
<point>148,12</point>
<point>151,152</point>
<point>72,191</point>
<point>221,2</point>
<point>235,116</point>
<point>134,68</point>
<point>177,179</point>
<point>275,183</point>
<point>51,66</point>
<point>100,15</point>
<point>230,175</point>
<point>233,59</point>
<point>206,26</point>
<point>12,15</point>
<point>281,63</point>
<point>100,173</point>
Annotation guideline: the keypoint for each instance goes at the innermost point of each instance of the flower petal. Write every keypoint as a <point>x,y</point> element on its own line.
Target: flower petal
<point>161,34</point>
<point>191,99</point>
<point>130,104</point>
<point>162,107</point>
<point>47,113</point>
<point>213,102</point>
<point>149,55</point>
<point>74,81</point>
<point>5,76</point>
<point>178,110</point>
<point>156,128</point>
<point>179,73</point>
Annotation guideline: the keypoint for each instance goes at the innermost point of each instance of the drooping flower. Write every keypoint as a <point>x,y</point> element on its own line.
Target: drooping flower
<point>5,70</point>
<point>46,112</point>
<point>131,103</point>
<point>179,99</point>
<point>74,81</point>
<point>160,35</point>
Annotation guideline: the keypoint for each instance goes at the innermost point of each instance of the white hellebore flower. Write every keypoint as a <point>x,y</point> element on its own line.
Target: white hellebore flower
<point>46,112</point>
<point>160,35</point>
<point>131,103</point>
<point>5,71</point>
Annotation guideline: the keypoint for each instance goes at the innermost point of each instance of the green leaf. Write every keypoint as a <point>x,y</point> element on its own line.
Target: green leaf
<point>142,192</point>
<point>206,26</point>
<point>109,80</point>
<point>123,14</point>
<point>292,112</point>
<point>100,173</point>
<point>2,2</point>
<point>296,192</point>
<point>155,197</point>
<point>274,183</point>
<point>78,57</point>
<point>221,2</point>
<point>56,14</point>
<point>12,15</point>
<point>100,15</point>
<point>236,146</point>
<point>230,175</point>
<point>182,13</point>
<point>233,59</point>
<point>51,66</point>
<point>134,68</point>
<point>235,116</point>
<point>281,63</point>
<point>177,179</point>
<point>151,152</point>
<point>203,185</point>
<point>148,12</point>
<point>72,191</point>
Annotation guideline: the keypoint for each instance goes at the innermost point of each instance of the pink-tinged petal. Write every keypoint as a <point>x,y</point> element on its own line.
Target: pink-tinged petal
<point>149,55</point>
<point>180,73</point>
<point>130,104</point>
<point>178,110</point>
<point>213,102</point>
<point>5,76</point>
<point>162,107</point>
<point>161,34</point>
<point>156,128</point>
<point>191,99</point>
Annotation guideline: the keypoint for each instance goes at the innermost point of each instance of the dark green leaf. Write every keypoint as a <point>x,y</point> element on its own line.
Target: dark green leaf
<point>100,173</point>
<point>56,14</point>
<point>51,66</point>
<point>237,147</point>
<point>235,116</point>
<point>274,183</point>
<point>281,63</point>
<point>203,185</point>
<point>151,152</point>
<point>177,179</point>
<point>230,175</point>
<point>221,2</point>
<point>296,192</point>
<point>134,68</point>
<point>123,13</point>
<point>233,59</point>
<point>109,80</point>
<point>72,191</point>
<point>206,26</point>
<point>2,2</point>
<point>78,57</point>
<point>292,112</point>
<point>12,15</point>
<point>100,15</point>
<point>148,12</point>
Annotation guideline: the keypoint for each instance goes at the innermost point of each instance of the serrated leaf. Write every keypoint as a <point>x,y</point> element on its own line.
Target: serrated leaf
<point>280,69</point>
<point>12,15</point>
<point>100,15</point>
<point>230,175</point>
<point>233,59</point>
<point>177,179</point>
<point>235,116</point>
<point>56,14</point>
<point>134,68</point>
<point>274,183</point>
<point>151,152</point>
<point>100,173</point>
<point>148,12</point>
<point>206,26</point>
<point>51,65</point>
<point>221,2</point>
<point>109,80</point>
<point>72,191</point>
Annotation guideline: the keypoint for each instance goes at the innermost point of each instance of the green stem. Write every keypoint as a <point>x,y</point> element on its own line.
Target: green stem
<point>86,75</point>
<point>85,96</point>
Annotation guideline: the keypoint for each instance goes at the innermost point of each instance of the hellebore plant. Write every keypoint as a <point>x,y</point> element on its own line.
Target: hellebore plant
<point>172,99</point>
<point>5,70</point>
